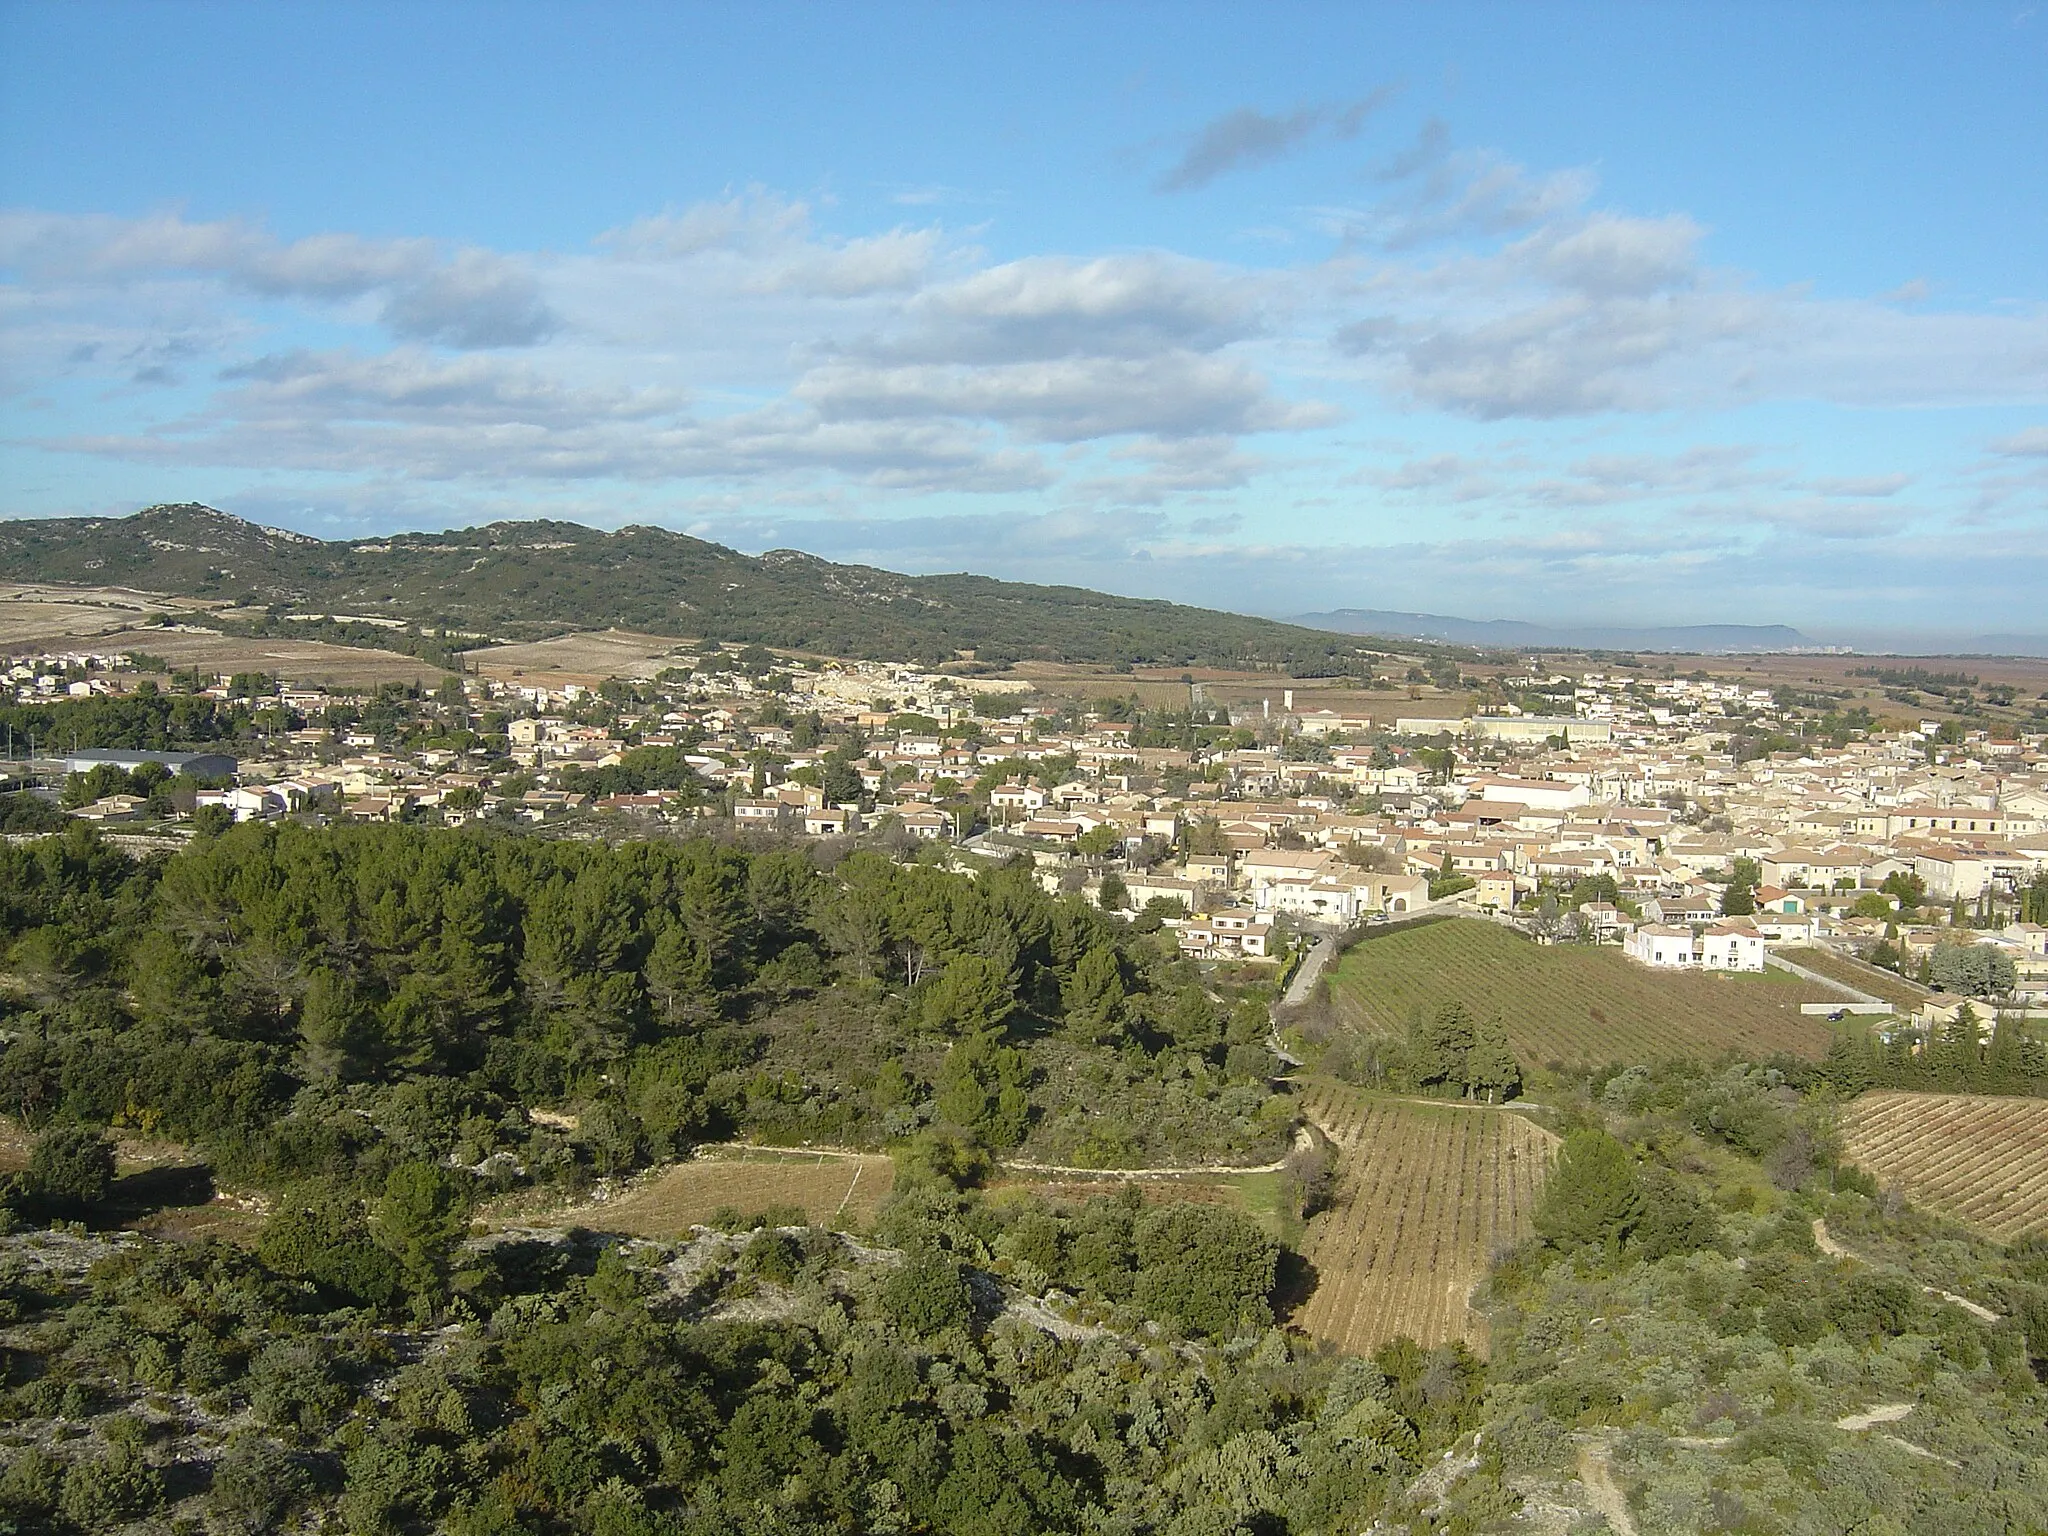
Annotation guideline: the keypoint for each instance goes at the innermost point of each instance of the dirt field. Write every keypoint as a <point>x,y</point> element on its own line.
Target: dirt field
<point>35,618</point>
<point>842,1192</point>
<point>587,658</point>
<point>1971,1156</point>
<point>1426,1194</point>
<point>296,661</point>
<point>2026,673</point>
<point>1569,1003</point>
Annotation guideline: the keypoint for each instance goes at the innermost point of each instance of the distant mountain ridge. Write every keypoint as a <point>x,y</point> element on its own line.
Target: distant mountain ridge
<point>522,580</point>
<point>1514,633</point>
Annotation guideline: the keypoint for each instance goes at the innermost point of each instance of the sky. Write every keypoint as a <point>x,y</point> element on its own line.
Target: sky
<point>1573,313</point>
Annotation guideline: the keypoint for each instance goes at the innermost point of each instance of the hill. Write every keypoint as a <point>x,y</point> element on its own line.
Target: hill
<point>524,580</point>
<point>1689,639</point>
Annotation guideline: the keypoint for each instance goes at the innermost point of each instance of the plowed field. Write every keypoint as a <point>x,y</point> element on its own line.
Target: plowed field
<point>1971,1156</point>
<point>1572,1003</point>
<point>1426,1195</point>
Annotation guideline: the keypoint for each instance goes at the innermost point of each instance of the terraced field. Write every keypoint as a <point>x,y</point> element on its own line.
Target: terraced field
<point>1572,1004</point>
<point>1976,1157</point>
<point>1426,1195</point>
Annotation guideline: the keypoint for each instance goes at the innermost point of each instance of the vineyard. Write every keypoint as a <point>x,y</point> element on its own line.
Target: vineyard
<point>834,1191</point>
<point>1571,1004</point>
<point>1971,1156</point>
<point>1894,989</point>
<point>1426,1195</point>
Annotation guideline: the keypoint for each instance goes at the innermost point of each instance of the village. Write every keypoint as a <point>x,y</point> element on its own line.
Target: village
<point>1627,813</point>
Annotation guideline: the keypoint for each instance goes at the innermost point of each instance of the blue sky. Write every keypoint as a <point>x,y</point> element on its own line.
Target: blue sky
<point>1646,314</point>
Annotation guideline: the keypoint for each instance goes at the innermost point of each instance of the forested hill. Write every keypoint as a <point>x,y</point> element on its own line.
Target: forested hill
<point>523,579</point>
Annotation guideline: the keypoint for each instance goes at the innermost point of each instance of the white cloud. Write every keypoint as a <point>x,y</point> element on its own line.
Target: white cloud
<point>465,297</point>
<point>2029,443</point>
<point>767,244</point>
<point>1062,399</point>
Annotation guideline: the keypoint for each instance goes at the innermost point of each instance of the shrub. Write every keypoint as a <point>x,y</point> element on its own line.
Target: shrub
<point>1206,1268</point>
<point>257,1483</point>
<point>72,1167</point>
<point>110,1490</point>
<point>927,1295</point>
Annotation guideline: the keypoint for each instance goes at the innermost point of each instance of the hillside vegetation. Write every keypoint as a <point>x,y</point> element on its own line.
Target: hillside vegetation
<point>525,579</point>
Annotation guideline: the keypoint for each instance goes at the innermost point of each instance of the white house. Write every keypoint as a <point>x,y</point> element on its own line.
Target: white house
<point>1732,947</point>
<point>1235,932</point>
<point>1661,945</point>
<point>931,825</point>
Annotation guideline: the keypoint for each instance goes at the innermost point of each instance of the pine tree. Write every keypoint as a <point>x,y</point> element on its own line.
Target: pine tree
<point>1095,996</point>
<point>1592,1198</point>
<point>1848,1067</point>
<point>1490,1067</point>
<point>1438,1047</point>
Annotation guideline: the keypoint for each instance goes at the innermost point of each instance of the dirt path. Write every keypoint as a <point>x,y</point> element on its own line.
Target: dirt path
<point>1193,1170</point>
<point>1876,1414</point>
<point>1597,1473</point>
<point>1211,1170</point>
<point>1824,1240</point>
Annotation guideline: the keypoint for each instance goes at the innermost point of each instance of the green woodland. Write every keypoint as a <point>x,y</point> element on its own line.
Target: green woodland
<point>331,1004</point>
<point>361,1024</point>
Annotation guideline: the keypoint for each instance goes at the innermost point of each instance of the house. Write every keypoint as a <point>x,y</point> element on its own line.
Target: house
<point>1786,927</point>
<point>113,808</point>
<point>1267,866</point>
<point>1145,886</point>
<point>1394,894</point>
<point>1607,922</point>
<point>244,804</point>
<point>1015,796</point>
<point>1050,829</point>
<point>1732,947</point>
<point>759,813</point>
<point>1662,945</point>
<point>831,821</point>
<point>1497,890</point>
<point>1319,898</point>
<point>933,826</point>
<point>200,765</point>
<point>1771,898</point>
<point>1221,934</point>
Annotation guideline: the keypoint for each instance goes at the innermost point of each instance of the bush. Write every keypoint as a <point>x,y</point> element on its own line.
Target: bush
<point>772,1255</point>
<point>1592,1197</point>
<point>72,1167</point>
<point>29,1487</point>
<point>927,1295</point>
<point>110,1490</point>
<point>257,1483</point>
<point>1206,1268</point>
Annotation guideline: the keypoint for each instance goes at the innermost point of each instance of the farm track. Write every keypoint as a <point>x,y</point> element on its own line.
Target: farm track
<point>1571,1004</point>
<point>1974,1156</point>
<point>1426,1193</point>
